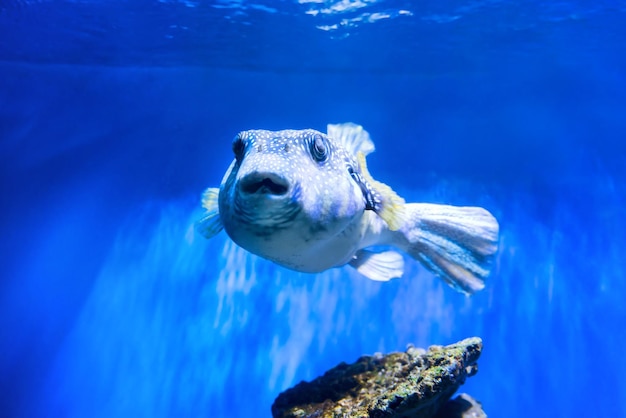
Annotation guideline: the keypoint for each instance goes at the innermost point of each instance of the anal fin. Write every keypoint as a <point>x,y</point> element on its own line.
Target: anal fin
<point>381,267</point>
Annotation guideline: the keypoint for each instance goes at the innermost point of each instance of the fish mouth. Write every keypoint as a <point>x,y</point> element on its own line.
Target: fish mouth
<point>264,183</point>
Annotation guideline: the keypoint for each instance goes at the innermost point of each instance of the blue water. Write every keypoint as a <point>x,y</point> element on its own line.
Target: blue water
<point>114,116</point>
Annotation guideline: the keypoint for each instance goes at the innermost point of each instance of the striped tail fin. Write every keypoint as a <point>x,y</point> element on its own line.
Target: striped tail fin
<point>456,243</point>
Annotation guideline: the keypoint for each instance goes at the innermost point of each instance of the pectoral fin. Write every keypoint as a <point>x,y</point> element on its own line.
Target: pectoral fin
<point>210,224</point>
<point>381,198</point>
<point>378,266</point>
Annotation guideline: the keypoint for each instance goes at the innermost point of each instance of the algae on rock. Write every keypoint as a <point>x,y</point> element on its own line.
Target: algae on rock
<point>412,384</point>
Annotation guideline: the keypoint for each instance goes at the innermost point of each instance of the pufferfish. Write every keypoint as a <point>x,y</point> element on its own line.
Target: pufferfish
<point>306,201</point>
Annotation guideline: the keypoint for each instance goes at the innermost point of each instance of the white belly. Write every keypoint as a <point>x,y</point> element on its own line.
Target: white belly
<point>304,246</point>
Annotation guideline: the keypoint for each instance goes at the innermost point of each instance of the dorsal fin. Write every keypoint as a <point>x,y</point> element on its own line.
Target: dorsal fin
<point>352,137</point>
<point>384,201</point>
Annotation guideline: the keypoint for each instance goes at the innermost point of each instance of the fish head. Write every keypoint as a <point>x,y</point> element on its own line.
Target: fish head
<point>288,184</point>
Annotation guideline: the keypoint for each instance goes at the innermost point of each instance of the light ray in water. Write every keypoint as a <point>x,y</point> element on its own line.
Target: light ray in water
<point>176,324</point>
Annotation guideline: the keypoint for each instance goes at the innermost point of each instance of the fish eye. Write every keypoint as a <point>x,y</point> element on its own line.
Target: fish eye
<point>239,146</point>
<point>319,148</point>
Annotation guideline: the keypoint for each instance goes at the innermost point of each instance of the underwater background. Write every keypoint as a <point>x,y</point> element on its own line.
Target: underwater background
<point>116,115</point>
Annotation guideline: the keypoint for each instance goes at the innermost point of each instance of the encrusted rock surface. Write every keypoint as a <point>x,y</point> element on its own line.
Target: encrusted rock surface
<point>413,384</point>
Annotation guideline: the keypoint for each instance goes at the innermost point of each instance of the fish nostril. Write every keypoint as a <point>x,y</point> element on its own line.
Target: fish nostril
<point>264,185</point>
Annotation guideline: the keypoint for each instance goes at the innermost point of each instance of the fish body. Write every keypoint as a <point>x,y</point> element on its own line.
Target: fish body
<point>305,200</point>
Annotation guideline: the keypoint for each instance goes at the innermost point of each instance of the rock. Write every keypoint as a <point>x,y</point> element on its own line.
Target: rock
<point>463,406</point>
<point>413,384</point>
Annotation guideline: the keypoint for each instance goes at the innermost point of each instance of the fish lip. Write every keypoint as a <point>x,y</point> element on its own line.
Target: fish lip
<point>263,183</point>
<point>264,214</point>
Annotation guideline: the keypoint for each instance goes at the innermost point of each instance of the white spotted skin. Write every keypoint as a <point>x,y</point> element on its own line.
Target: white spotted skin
<point>312,215</point>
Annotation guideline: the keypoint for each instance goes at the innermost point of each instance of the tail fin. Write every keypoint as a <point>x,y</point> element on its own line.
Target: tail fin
<point>456,243</point>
